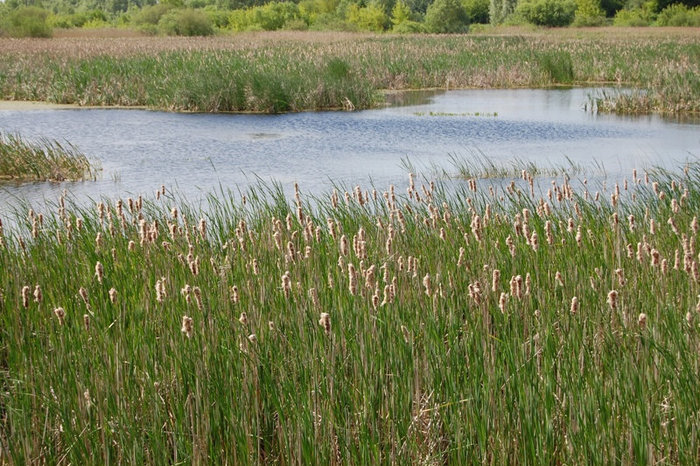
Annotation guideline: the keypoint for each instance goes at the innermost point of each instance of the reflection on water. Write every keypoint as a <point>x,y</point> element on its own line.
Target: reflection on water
<point>196,154</point>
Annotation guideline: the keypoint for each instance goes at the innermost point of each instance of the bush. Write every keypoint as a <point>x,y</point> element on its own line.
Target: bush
<point>369,18</point>
<point>446,16</point>
<point>186,22</point>
<point>409,27</point>
<point>588,13</point>
<point>552,13</point>
<point>679,15</point>
<point>477,10</point>
<point>28,22</point>
<point>151,14</point>
<point>268,17</point>
<point>635,17</point>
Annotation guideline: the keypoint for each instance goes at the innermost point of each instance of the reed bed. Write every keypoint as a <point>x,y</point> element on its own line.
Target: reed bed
<point>286,71</point>
<point>500,322</point>
<point>45,160</point>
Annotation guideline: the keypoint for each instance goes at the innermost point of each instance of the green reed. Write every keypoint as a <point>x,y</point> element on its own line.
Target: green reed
<point>503,322</point>
<point>45,160</point>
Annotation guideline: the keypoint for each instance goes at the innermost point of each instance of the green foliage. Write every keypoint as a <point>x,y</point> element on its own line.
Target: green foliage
<point>610,7</point>
<point>400,13</point>
<point>477,10</point>
<point>151,15</point>
<point>588,13</point>
<point>679,15</point>
<point>499,10</point>
<point>27,22</point>
<point>552,13</point>
<point>446,16</point>
<point>557,66</point>
<point>409,27</point>
<point>369,18</point>
<point>661,5</point>
<point>635,17</point>
<point>186,22</point>
<point>268,17</point>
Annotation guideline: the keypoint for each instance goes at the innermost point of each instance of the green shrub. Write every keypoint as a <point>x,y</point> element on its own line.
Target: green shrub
<point>186,22</point>
<point>151,14</point>
<point>446,16</point>
<point>588,13</point>
<point>409,27</point>
<point>679,15</point>
<point>268,17</point>
<point>369,18</point>
<point>635,17</point>
<point>28,21</point>
<point>553,13</point>
<point>499,10</point>
<point>477,10</point>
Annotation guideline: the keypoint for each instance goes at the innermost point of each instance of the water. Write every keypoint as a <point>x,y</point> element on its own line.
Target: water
<point>195,154</point>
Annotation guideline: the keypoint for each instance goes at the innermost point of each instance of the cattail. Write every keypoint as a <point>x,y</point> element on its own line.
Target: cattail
<point>38,296</point>
<point>132,246</point>
<point>83,294</point>
<point>612,299</point>
<point>642,320</point>
<point>548,232</point>
<point>344,246</point>
<point>352,279</point>
<point>203,228</point>
<point>60,314</point>
<point>511,245</point>
<point>533,241</point>
<point>187,326</point>
<point>460,259</point>
<point>664,266</point>
<point>495,280</point>
<point>286,284</point>
<point>86,322</point>
<point>655,258</point>
<point>528,284</point>
<point>632,224</point>
<point>574,305</point>
<point>252,338</point>
<point>25,296</point>
<point>99,271</point>
<point>559,279</point>
<point>234,294</point>
<point>427,285</point>
<point>160,290</point>
<point>620,277</point>
<point>113,295</point>
<point>325,322</point>
<point>502,302</point>
<point>198,297</point>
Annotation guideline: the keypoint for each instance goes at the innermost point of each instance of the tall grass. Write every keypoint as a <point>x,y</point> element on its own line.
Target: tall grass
<point>45,160</point>
<point>274,72</point>
<point>494,323</point>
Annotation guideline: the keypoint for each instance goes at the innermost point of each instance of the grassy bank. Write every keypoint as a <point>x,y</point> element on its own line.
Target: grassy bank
<point>487,325</point>
<point>22,160</point>
<point>274,72</point>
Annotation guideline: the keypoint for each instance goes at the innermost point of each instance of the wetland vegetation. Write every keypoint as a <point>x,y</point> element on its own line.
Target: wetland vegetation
<point>294,71</point>
<point>503,322</point>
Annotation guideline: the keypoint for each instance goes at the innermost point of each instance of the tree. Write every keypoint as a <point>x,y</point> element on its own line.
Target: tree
<point>446,16</point>
<point>499,10</point>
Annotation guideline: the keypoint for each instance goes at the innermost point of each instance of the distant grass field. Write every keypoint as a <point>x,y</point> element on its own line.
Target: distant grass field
<point>496,324</point>
<point>288,71</point>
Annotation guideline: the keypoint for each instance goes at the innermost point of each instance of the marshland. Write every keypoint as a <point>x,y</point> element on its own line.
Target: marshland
<point>502,267</point>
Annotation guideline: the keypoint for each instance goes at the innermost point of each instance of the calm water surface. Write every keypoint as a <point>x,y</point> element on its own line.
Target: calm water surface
<point>197,153</point>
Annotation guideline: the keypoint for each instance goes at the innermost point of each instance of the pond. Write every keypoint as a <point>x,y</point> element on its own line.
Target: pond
<point>195,154</point>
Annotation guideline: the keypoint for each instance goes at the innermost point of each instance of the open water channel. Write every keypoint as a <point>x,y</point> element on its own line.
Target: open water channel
<point>196,154</point>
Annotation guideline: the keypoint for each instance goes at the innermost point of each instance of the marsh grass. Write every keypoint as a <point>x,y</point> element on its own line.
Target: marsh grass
<point>44,160</point>
<point>288,71</point>
<point>418,326</point>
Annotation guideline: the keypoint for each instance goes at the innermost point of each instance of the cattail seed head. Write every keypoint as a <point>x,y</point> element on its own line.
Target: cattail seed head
<point>83,294</point>
<point>495,280</point>
<point>187,326</point>
<point>60,314</point>
<point>99,272</point>
<point>25,296</point>
<point>574,305</point>
<point>558,279</point>
<point>325,322</point>
<point>612,299</point>
<point>86,322</point>
<point>642,320</point>
<point>38,296</point>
